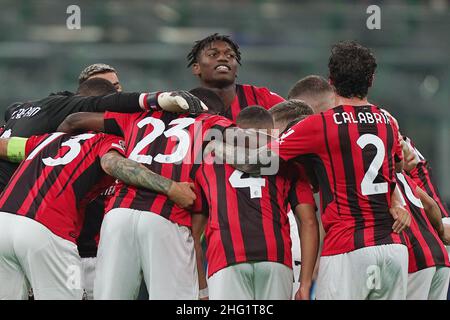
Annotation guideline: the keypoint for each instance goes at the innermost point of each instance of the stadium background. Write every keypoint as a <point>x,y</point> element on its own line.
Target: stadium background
<point>281,42</point>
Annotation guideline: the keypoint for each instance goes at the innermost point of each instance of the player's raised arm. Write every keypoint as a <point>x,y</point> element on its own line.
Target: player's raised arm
<point>433,214</point>
<point>175,101</point>
<point>399,213</point>
<point>82,121</point>
<point>133,173</point>
<point>226,153</point>
<point>298,140</point>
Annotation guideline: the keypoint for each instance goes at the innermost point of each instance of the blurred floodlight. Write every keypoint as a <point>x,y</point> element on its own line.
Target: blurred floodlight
<point>429,86</point>
<point>166,13</point>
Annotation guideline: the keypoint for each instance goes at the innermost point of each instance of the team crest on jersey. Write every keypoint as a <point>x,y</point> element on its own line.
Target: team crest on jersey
<point>121,145</point>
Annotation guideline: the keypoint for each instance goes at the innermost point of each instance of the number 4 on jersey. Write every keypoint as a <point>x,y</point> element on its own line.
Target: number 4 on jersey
<point>255,184</point>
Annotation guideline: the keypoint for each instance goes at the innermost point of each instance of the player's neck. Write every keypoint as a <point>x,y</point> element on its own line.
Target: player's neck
<point>341,101</point>
<point>227,94</point>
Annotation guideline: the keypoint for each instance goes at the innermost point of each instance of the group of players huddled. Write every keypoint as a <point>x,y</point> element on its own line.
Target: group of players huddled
<point>104,190</point>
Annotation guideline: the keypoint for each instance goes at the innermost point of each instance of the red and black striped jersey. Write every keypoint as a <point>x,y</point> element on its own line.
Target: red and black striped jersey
<point>302,193</point>
<point>422,175</point>
<point>248,95</point>
<point>353,150</point>
<point>59,177</point>
<point>425,248</point>
<point>247,216</point>
<point>170,145</point>
<point>89,237</point>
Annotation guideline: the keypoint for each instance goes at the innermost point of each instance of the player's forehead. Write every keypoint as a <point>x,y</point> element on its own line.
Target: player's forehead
<point>109,75</point>
<point>218,45</point>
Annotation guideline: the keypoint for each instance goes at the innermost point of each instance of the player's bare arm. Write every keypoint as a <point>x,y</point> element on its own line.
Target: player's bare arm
<point>136,174</point>
<point>82,121</point>
<point>198,227</point>
<point>399,213</point>
<point>3,148</point>
<point>12,149</point>
<point>227,151</point>
<point>175,101</point>
<point>433,213</point>
<point>309,241</point>
<point>410,158</point>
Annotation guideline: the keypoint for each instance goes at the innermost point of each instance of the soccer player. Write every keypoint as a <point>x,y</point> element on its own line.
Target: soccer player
<point>356,151</point>
<point>102,71</point>
<point>285,114</point>
<point>423,177</point>
<point>214,60</point>
<point>428,258</point>
<point>315,91</point>
<point>144,232</point>
<point>42,207</point>
<point>247,230</point>
<point>429,274</point>
<point>87,242</point>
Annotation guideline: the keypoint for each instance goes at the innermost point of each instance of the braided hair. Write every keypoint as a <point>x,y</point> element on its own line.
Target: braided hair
<point>201,44</point>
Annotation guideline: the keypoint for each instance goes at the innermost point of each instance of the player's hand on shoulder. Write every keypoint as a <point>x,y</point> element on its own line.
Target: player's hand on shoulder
<point>182,193</point>
<point>401,217</point>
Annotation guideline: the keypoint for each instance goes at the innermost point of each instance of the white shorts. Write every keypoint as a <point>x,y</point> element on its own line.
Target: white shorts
<point>447,221</point>
<point>88,276</point>
<point>428,284</point>
<point>135,243</point>
<point>296,252</point>
<point>252,281</point>
<point>32,256</point>
<point>377,272</point>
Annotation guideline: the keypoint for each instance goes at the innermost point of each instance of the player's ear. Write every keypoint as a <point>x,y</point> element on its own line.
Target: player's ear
<point>196,69</point>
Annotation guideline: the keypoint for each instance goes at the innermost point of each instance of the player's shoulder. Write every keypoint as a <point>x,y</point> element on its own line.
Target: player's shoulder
<point>262,91</point>
<point>214,119</point>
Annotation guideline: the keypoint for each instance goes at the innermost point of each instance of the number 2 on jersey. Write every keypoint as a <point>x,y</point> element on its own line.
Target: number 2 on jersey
<point>368,186</point>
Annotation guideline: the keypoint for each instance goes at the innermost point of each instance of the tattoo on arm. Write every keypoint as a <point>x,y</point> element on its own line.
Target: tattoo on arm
<point>134,173</point>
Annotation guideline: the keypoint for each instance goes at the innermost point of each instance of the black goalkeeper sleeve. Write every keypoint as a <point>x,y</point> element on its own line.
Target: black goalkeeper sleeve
<point>116,102</point>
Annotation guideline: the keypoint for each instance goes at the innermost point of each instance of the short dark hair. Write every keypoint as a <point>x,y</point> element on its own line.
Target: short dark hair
<point>351,67</point>
<point>255,116</point>
<point>96,87</point>
<point>201,44</point>
<point>210,98</point>
<point>290,110</point>
<point>96,68</point>
<point>311,85</point>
